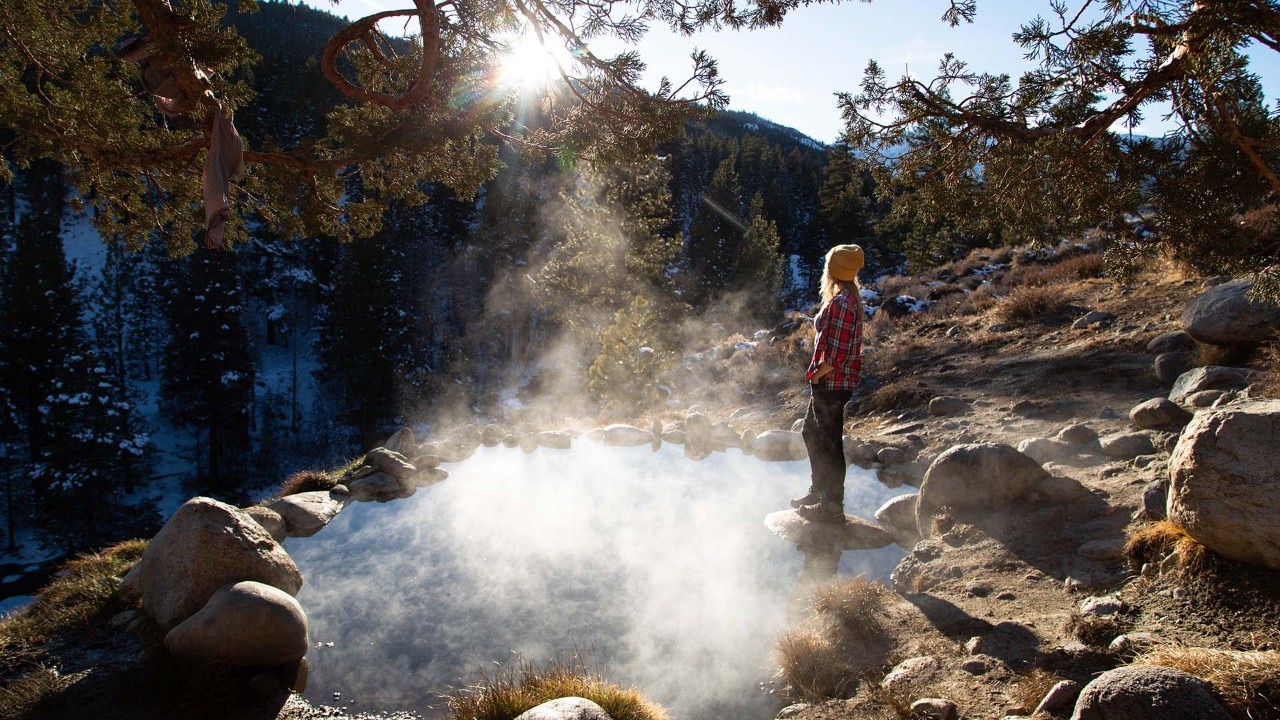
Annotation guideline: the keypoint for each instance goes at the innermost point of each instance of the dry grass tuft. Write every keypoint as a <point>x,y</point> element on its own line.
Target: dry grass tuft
<point>854,605</point>
<point>824,657</point>
<point>1095,630</point>
<point>1076,267</point>
<point>1158,541</point>
<point>1028,304</point>
<point>84,593</point>
<point>1248,681</point>
<point>813,666</point>
<point>27,695</point>
<point>896,396</point>
<point>1031,688</point>
<point>516,689</point>
<point>308,481</point>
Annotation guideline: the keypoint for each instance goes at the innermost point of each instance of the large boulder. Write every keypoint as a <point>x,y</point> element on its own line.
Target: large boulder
<point>1140,692</point>
<point>305,513</point>
<point>853,534</point>
<point>246,624</point>
<point>205,545</point>
<point>980,477</point>
<point>1224,315</point>
<point>1224,481</point>
<point>1210,377</point>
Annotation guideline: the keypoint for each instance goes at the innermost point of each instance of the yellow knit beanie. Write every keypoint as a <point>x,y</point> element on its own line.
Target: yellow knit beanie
<point>844,262</point>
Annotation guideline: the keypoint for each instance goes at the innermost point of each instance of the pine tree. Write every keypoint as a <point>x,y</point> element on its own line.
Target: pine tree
<point>757,268</point>
<point>714,235</point>
<point>207,383</point>
<point>627,372</point>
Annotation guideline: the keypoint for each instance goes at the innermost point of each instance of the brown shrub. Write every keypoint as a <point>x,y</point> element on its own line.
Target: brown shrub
<point>1247,681</point>
<point>978,301</point>
<point>1028,304</point>
<point>812,667</point>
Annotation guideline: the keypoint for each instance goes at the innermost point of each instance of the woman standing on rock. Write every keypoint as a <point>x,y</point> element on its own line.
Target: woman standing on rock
<point>833,373</point>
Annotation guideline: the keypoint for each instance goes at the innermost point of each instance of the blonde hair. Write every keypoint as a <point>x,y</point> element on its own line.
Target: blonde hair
<point>829,287</point>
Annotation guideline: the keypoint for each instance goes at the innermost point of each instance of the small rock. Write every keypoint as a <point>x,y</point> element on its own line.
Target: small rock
<point>1094,320</point>
<point>898,517</point>
<point>1101,550</point>
<point>554,439</point>
<point>791,711</point>
<point>306,513</point>
<point>1131,644</point>
<point>1077,434</point>
<point>1000,328</point>
<point>947,405</point>
<point>626,436</point>
<point>1158,413</point>
<point>1171,342</point>
<point>974,666</point>
<point>935,709</point>
<point>891,455</point>
<point>1170,366</point>
<point>1060,698</point>
<point>392,463</point>
<point>379,486</point>
<point>1046,450</point>
<point>1126,445</point>
<point>1203,399</point>
<point>566,708</point>
<point>1102,606</point>
<point>908,673</point>
<point>978,588</point>
<point>1007,595</point>
<point>270,521</point>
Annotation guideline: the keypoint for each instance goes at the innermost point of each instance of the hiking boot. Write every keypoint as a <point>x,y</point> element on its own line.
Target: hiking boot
<point>822,512</point>
<point>811,498</point>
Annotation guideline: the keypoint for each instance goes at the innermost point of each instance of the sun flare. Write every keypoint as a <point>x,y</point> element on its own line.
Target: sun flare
<point>529,63</point>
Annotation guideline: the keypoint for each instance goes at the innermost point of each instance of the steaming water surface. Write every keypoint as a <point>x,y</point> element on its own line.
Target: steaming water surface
<point>657,569</point>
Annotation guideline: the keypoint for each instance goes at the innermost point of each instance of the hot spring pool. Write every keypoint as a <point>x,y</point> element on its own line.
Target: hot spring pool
<point>657,569</point>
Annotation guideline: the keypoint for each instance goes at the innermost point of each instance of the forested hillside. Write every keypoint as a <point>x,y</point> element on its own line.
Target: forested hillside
<point>130,374</point>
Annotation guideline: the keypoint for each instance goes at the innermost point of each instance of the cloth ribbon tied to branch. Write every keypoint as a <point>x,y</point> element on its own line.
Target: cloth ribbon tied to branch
<point>225,159</point>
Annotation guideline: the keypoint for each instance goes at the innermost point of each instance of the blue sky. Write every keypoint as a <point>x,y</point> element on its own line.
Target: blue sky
<point>790,74</point>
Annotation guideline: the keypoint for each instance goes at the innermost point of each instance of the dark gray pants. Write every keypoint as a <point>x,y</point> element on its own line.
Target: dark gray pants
<point>824,438</point>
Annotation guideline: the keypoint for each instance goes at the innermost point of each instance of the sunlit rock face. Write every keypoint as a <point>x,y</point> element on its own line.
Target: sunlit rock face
<point>658,569</point>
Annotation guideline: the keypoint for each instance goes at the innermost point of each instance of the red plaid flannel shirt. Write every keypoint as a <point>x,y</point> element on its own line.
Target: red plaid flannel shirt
<point>839,343</point>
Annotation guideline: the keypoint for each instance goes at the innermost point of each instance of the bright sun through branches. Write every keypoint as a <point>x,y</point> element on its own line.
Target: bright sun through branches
<point>530,64</point>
